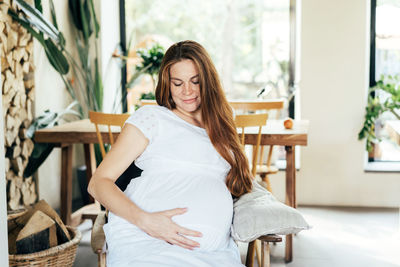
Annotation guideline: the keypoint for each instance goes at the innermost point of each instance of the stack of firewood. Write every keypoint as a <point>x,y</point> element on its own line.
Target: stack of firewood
<point>37,229</point>
<point>17,84</point>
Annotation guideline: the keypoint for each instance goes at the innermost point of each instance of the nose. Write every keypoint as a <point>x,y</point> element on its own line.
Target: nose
<point>187,89</point>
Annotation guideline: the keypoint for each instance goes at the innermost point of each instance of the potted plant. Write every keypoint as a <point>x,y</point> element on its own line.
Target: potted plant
<point>376,106</point>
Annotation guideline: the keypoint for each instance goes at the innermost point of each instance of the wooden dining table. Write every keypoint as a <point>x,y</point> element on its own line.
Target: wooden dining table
<point>84,132</point>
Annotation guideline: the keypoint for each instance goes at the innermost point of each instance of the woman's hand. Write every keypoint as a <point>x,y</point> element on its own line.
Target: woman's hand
<point>160,225</point>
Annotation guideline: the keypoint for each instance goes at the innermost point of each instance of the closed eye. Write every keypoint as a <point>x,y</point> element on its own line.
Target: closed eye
<point>177,84</point>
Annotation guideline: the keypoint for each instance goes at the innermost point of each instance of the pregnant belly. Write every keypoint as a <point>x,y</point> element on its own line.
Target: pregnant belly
<point>209,208</point>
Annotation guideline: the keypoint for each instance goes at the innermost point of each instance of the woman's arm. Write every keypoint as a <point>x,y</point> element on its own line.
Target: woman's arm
<point>129,145</point>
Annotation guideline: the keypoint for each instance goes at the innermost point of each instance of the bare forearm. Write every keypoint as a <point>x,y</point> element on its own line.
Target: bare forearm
<point>110,196</point>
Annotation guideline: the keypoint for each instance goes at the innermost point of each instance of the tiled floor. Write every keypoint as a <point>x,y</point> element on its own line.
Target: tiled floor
<point>340,237</point>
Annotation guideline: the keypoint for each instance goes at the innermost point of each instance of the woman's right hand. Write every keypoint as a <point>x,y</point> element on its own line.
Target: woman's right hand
<point>160,225</point>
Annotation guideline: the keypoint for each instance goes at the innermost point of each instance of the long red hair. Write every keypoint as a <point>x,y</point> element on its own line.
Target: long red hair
<point>216,112</point>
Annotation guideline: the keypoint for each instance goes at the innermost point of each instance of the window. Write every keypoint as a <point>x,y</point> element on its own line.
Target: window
<point>384,59</point>
<point>252,43</point>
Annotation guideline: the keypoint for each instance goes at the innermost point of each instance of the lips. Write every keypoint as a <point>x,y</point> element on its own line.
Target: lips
<point>189,101</point>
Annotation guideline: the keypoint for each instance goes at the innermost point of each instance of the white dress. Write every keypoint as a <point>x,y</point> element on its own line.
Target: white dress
<point>181,168</point>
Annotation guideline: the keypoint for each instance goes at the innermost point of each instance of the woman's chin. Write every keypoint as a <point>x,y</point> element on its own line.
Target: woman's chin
<point>190,108</point>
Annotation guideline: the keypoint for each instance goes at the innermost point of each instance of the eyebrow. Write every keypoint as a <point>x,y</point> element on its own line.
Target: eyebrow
<point>195,76</point>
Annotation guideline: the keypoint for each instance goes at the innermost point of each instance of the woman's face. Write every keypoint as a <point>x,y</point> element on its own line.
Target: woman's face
<point>185,86</point>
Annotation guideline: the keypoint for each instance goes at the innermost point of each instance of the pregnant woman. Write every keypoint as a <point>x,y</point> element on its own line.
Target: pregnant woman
<point>179,211</point>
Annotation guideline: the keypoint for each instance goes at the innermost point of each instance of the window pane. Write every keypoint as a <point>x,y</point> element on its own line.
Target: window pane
<point>247,40</point>
<point>387,63</point>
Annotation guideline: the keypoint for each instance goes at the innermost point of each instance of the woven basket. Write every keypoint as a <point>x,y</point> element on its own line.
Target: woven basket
<point>60,256</point>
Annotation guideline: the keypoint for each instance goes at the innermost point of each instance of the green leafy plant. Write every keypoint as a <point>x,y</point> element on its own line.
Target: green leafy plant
<point>151,60</point>
<point>376,107</point>
<point>82,80</point>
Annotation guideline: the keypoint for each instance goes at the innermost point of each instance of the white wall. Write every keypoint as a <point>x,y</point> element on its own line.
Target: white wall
<point>50,93</point>
<point>111,70</point>
<point>334,80</point>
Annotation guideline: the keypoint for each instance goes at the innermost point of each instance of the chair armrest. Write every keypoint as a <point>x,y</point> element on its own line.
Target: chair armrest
<point>98,239</point>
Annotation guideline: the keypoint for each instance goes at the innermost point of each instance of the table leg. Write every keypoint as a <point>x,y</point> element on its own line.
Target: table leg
<point>66,183</point>
<point>90,161</point>
<point>290,195</point>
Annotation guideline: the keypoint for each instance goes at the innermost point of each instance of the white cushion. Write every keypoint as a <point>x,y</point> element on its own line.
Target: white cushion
<point>259,213</point>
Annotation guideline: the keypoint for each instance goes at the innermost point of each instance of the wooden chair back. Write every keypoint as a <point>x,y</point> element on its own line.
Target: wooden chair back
<point>146,102</point>
<point>100,118</point>
<point>253,105</point>
<point>259,105</point>
<point>251,120</point>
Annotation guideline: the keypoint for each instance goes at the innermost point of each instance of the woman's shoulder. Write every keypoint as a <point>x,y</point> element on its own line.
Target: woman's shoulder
<point>151,112</point>
<point>151,109</point>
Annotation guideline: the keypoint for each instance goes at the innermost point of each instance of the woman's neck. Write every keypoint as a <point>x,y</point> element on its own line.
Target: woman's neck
<point>191,117</point>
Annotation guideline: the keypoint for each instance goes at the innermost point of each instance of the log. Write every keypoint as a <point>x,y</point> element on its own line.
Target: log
<point>3,39</point>
<point>9,138</point>
<point>28,84</point>
<point>8,82</point>
<point>2,78</point>
<point>30,145</point>
<point>28,192</point>
<point>22,103</point>
<point>12,40</point>
<point>31,93</point>
<point>10,60</point>
<point>62,232</point>
<point>6,165</point>
<point>3,12</point>
<point>29,109</point>
<point>13,111</point>
<point>15,196</point>
<point>18,53</point>
<point>17,166</point>
<point>10,175</point>
<point>38,234</point>
<point>13,151</point>
<point>26,123</point>
<point>29,48</point>
<point>4,63</point>
<point>18,71</point>
<point>17,99</point>
<point>17,141</point>
<point>25,67</point>
<point>13,124</point>
<point>22,132</point>
<point>18,180</point>
<point>27,148</point>
<point>24,39</point>
<point>10,122</point>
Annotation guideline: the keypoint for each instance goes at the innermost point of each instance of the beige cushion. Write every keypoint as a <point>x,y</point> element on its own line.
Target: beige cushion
<point>259,213</point>
<point>98,239</point>
<point>267,170</point>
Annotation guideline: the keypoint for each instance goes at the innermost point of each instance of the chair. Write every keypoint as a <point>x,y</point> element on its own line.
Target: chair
<point>263,255</point>
<point>263,169</point>
<point>101,120</point>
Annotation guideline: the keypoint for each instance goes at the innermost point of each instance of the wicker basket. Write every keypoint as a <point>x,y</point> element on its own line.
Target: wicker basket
<point>60,256</point>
